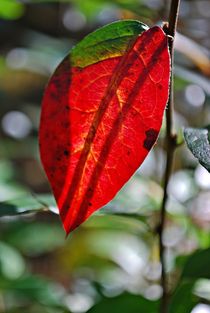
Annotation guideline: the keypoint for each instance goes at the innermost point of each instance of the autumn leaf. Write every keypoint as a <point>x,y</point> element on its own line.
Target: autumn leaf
<point>101,114</point>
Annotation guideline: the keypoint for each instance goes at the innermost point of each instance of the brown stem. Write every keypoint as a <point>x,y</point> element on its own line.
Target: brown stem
<point>170,30</point>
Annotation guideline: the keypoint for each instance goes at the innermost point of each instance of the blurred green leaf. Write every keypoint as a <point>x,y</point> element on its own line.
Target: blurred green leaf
<point>12,264</point>
<point>202,288</point>
<point>197,265</point>
<point>127,202</point>
<point>125,303</point>
<point>198,141</point>
<point>180,83</point>
<point>132,223</point>
<point>92,8</point>
<point>9,188</point>
<point>18,149</point>
<point>202,236</point>
<point>183,300</point>
<point>36,308</point>
<point>26,204</point>
<point>38,238</point>
<point>34,288</point>
<point>6,170</point>
<point>89,8</point>
<point>11,9</point>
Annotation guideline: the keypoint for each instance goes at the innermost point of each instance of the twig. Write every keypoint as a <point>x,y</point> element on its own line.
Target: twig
<point>170,30</point>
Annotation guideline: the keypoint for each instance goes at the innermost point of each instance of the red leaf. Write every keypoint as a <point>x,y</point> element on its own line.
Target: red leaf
<point>99,122</point>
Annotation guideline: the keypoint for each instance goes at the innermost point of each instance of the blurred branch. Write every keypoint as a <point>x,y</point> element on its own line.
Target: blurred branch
<point>170,30</point>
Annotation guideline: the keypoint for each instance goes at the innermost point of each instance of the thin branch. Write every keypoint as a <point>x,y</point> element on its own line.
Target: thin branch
<point>170,30</point>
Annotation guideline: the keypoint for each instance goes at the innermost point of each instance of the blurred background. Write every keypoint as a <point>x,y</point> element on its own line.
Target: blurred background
<point>110,263</point>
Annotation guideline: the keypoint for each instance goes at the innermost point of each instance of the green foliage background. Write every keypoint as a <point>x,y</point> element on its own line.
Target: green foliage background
<point>111,262</point>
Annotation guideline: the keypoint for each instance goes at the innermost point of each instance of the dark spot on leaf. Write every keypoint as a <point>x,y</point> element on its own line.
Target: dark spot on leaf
<point>66,152</point>
<point>55,96</point>
<point>65,124</point>
<point>151,136</point>
<point>57,83</point>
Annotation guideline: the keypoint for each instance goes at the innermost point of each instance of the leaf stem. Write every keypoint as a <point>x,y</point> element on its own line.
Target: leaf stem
<point>170,30</point>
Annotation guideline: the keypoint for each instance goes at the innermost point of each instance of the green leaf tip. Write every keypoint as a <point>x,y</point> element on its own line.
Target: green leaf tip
<point>106,42</point>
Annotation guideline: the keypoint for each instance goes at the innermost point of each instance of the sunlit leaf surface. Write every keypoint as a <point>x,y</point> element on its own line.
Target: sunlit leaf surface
<point>101,114</point>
